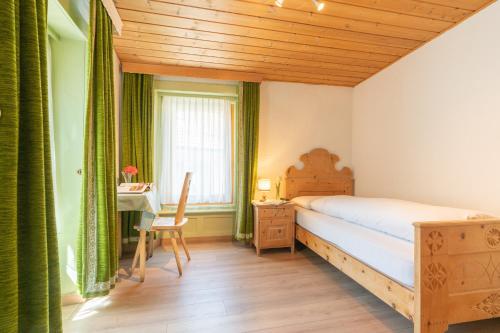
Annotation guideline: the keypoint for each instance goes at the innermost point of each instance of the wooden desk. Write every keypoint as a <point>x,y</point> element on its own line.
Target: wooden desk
<point>144,202</point>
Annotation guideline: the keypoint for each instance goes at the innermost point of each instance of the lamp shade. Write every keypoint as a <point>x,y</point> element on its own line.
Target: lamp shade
<point>264,184</point>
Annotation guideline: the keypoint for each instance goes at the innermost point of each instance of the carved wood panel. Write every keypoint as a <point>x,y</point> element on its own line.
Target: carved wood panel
<point>479,305</point>
<point>473,238</point>
<point>434,241</point>
<point>431,279</point>
<point>474,271</point>
<point>490,305</point>
<point>435,276</point>
<point>492,236</point>
<point>319,176</point>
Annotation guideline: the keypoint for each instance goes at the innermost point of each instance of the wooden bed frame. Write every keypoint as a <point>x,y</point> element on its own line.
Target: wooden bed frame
<point>457,263</point>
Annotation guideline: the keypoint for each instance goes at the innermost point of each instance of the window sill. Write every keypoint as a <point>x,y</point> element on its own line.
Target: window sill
<point>199,210</point>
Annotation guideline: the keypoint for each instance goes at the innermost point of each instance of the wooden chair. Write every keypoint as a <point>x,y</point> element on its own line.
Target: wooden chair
<point>151,223</point>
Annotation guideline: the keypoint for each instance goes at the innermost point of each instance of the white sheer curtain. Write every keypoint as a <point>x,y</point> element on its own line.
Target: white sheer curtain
<point>194,134</point>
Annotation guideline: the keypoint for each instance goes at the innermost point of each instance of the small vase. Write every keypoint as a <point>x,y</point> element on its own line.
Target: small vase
<point>127,177</point>
<point>278,188</point>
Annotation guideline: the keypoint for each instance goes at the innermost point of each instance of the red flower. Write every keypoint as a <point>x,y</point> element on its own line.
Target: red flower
<point>130,169</point>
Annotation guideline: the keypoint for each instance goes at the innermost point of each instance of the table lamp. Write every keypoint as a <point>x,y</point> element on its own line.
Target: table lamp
<point>264,185</point>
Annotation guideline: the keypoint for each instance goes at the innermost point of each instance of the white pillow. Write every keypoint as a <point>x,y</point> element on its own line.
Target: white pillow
<point>305,201</point>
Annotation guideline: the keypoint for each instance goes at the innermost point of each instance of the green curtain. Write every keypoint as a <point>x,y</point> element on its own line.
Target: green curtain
<point>30,299</point>
<point>97,256</point>
<point>247,157</point>
<point>136,138</point>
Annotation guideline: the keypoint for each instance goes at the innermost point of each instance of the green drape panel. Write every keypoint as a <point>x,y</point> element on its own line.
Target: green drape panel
<point>97,256</point>
<point>136,137</point>
<point>247,157</point>
<point>30,299</point>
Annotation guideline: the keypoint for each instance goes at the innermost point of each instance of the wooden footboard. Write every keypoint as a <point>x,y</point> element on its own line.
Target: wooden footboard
<point>457,273</point>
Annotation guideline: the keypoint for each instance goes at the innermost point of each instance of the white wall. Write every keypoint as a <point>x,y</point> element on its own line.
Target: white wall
<point>295,118</point>
<point>428,127</point>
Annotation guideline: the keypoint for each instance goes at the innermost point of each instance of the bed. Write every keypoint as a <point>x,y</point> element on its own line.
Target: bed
<point>435,274</point>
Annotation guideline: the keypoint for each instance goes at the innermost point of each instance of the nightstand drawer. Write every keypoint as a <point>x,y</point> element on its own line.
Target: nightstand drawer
<point>276,212</point>
<point>275,232</point>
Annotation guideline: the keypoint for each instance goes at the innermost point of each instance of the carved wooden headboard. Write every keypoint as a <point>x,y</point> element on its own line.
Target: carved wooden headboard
<point>319,176</point>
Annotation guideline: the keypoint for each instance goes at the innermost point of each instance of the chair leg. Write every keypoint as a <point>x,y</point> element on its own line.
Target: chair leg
<point>142,254</point>
<point>151,243</point>
<point>136,257</point>
<point>176,251</point>
<point>184,245</point>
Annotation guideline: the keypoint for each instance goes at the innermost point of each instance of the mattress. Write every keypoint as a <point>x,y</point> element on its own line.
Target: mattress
<point>387,254</point>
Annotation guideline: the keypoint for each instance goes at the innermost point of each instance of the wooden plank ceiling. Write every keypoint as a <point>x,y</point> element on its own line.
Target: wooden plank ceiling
<point>344,44</point>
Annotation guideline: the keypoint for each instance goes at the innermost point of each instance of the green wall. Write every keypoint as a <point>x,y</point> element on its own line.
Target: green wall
<point>77,11</point>
<point>68,45</point>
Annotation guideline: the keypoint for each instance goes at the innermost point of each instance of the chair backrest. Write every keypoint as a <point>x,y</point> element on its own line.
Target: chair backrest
<point>181,208</point>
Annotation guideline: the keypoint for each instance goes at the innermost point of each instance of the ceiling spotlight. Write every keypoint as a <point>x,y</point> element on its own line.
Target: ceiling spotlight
<point>279,3</point>
<point>319,4</point>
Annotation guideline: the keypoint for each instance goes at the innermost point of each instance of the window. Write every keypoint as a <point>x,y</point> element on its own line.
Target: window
<point>195,133</point>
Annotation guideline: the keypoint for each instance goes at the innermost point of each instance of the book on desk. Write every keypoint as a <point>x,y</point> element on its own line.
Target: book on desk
<point>133,188</point>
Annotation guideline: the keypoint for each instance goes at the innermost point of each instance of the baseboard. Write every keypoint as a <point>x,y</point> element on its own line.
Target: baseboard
<point>209,239</point>
<point>201,239</point>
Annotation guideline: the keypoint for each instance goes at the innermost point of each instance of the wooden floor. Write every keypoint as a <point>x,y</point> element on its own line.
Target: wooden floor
<point>227,288</point>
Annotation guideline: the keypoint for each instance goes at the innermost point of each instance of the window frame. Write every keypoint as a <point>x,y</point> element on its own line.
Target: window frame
<point>233,98</point>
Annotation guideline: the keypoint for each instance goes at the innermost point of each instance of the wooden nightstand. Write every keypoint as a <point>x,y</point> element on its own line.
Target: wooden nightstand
<point>274,226</point>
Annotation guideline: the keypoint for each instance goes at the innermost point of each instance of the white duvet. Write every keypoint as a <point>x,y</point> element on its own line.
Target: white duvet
<point>390,216</point>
